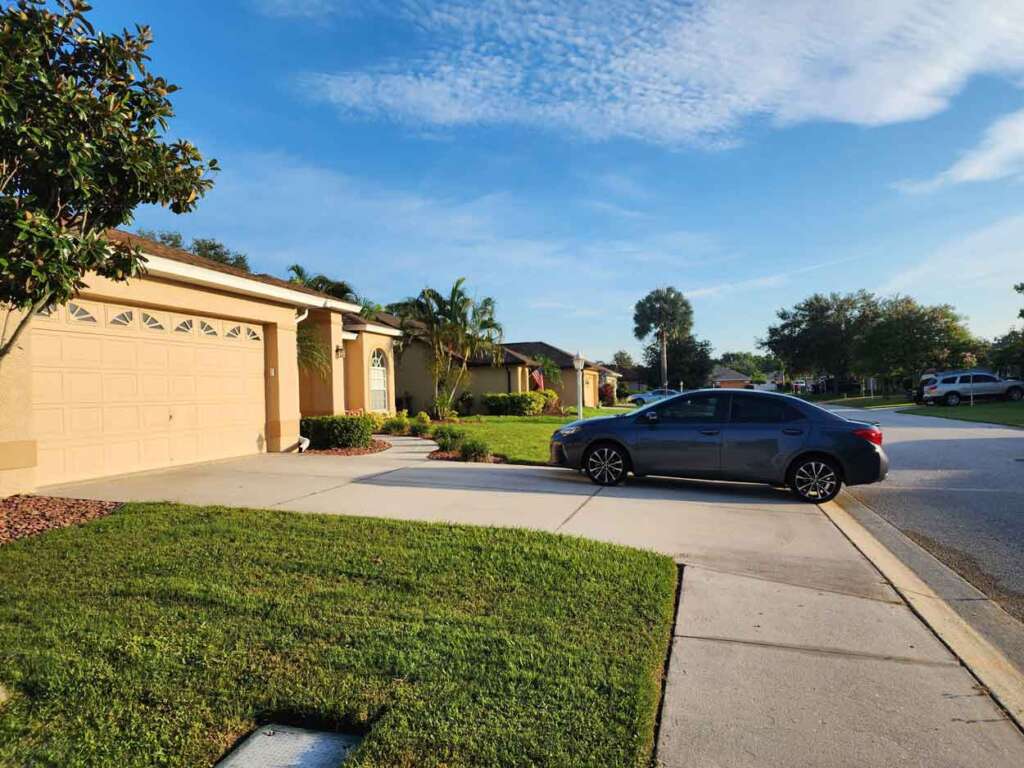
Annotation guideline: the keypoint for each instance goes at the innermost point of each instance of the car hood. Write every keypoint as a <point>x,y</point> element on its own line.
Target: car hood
<point>591,420</point>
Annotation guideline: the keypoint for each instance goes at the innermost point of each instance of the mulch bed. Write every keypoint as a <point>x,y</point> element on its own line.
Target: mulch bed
<point>22,516</point>
<point>375,447</point>
<point>440,455</point>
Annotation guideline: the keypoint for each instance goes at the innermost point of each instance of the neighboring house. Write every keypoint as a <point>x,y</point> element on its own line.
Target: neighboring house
<point>727,378</point>
<point>630,379</point>
<point>567,387</point>
<point>415,382</point>
<point>191,361</point>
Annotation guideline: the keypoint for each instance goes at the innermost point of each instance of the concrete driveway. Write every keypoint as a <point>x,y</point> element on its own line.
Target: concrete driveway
<point>789,647</point>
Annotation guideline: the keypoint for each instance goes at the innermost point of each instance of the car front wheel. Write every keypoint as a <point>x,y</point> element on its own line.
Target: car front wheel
<point>815,480</point>
<point>1015,394</point>
<point>606,464</point>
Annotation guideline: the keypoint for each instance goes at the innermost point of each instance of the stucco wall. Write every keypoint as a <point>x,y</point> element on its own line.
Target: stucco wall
<point>357,370</point>
<point>320,394</point>
<point>567,388</point>
<point>413,377</point>
<point>17,442</point>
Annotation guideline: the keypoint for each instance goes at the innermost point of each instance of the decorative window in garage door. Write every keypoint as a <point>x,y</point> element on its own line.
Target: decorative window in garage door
<point>123,318</point>
<point>234,333</point>
<point>207,329</point>
<point>251,335</point>
<point>185,326</point>
<point>378,380</point>
<point>80,314</point>
<point>152,323</point>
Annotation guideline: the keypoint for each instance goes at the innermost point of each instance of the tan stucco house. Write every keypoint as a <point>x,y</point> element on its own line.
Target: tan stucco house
<point>566,388</point>
<point>193,361</point>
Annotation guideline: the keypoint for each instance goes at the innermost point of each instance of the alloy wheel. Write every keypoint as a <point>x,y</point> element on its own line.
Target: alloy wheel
<point>606,465</point>
<point>816,481</point>
<point>1016,394</point>
<point>953,399</point>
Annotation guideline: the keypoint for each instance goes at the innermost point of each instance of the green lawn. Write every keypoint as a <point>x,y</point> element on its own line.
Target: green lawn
<point>161,634</point>
<point>1011,414</point>
<point>524,439</point>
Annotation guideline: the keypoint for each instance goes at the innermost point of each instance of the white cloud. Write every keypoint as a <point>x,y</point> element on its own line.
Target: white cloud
<point>673,73</point>
<point>999,155</point>
<point>985,263</point>
<point>765,281</point>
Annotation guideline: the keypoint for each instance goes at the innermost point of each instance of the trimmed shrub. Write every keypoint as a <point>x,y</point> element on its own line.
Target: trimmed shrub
<point>464,405</point>
<point>326,432</point>
<point>607,393</point>
<point>420,426</point>
<point>447,437</point>
<point>397,424</point>
<point>475,449</point>
<point>515,404</point>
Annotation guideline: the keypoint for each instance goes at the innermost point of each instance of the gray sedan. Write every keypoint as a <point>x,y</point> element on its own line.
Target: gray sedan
<point>728,435</point>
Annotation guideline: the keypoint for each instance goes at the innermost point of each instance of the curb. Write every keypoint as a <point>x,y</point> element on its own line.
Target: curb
<point>986,662</point>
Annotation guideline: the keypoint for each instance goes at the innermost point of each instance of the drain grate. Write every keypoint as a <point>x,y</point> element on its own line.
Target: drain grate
<point>282,746</point>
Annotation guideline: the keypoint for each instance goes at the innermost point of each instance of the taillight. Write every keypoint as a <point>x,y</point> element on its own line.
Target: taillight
<point>932,388</point>
<point>870,434</point>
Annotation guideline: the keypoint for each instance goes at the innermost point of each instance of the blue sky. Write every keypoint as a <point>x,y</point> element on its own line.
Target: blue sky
<point>568,156</point>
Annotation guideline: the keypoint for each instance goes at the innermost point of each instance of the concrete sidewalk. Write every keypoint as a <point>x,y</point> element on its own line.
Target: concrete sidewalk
<point>789,648</point>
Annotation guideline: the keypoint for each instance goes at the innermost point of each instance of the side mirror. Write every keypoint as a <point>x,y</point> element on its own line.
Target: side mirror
<point>651,416</point>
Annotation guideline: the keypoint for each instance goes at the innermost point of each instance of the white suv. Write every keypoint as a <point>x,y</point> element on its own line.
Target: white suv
<point>953,387</point>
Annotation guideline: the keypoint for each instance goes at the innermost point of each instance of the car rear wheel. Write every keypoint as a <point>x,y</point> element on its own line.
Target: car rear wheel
<point>1015,394</point>
<point>815,480</point>
<point>952,399</point>
<point>606,464</point>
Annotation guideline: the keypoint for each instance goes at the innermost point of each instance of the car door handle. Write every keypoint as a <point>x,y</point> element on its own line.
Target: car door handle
<point>792,431</point>
<point>709,432</point>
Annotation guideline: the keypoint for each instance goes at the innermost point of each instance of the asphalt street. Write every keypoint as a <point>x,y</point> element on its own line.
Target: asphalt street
<point>957,488</point>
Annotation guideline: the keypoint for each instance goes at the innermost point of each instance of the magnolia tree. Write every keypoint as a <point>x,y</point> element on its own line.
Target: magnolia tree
<point>82,124</point>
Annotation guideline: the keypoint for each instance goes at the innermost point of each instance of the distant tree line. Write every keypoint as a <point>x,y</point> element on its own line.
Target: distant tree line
<point>842,337</point>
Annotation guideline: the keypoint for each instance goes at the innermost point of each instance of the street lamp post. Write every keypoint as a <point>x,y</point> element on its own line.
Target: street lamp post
<point>578,362</point>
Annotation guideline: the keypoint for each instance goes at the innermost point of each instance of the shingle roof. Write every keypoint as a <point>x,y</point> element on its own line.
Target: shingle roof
<point>537,349</point>
<point>185,257</point>
<point>721,373</point>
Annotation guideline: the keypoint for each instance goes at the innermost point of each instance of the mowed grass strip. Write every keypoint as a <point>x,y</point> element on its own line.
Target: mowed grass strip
<point>1010,414</point>
<point>525,439</point>
<point>163,633</point>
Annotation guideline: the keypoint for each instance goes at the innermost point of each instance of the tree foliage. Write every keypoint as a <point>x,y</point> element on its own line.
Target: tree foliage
<point>457,329</point>
<point>82,125</point>
<point>339,289</point>
<point>689,361</point>
<point>206,247</point>
<point>1019,288</point>
<point>622,359</point>
<point>549,370</point>
<point>668,315</point>
<point>750,364</point>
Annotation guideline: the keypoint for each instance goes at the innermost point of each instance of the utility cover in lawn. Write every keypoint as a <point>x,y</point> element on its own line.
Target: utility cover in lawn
<point>162,634</point>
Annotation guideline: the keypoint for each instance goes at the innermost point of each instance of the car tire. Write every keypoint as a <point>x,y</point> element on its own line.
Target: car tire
<point>1014,394</point>
<point>952,399</point>
<point>606,464</point>
<point>815,479</point>
<point>640,402</point>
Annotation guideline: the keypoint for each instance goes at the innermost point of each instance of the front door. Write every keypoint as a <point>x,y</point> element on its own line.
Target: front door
<point>682,437</point>
<point>763,435</point>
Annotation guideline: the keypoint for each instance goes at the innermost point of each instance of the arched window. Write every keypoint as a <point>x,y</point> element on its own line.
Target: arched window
<point>378,380</point>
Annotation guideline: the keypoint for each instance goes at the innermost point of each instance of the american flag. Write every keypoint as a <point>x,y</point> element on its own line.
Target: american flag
<point>538,378</point>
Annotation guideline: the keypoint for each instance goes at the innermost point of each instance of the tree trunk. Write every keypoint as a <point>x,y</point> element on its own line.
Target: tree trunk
<point>664,360</point>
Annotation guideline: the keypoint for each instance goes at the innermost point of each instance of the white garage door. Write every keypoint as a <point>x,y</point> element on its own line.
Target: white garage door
<point>120,389</point>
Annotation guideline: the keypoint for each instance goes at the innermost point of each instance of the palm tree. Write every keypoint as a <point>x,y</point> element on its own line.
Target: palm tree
<point>458,329</point>
<point>339,289</point>
<point>666,312</point>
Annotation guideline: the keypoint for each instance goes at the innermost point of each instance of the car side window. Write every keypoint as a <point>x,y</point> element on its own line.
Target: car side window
<point>949,380</point>
<point>965,379</point>
<point>984,378</point>
<point>698,409</point>
<point>762,410</point>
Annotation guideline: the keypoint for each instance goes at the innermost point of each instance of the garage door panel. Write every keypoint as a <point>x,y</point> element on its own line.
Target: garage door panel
<point>84,421</point>
<point>112,397</point>
<point>120,354</point>
<point>121,418</point>
<point>83,387</point>
<point>121,387</point>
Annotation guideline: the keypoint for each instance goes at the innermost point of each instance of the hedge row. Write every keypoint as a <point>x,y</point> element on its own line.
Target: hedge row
<point>326,432</point>
<point>515,404</point>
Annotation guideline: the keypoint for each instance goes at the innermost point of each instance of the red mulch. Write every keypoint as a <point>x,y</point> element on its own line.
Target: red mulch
<point>22,516</point>
<point>456,456</point>
<point>375,447</point>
